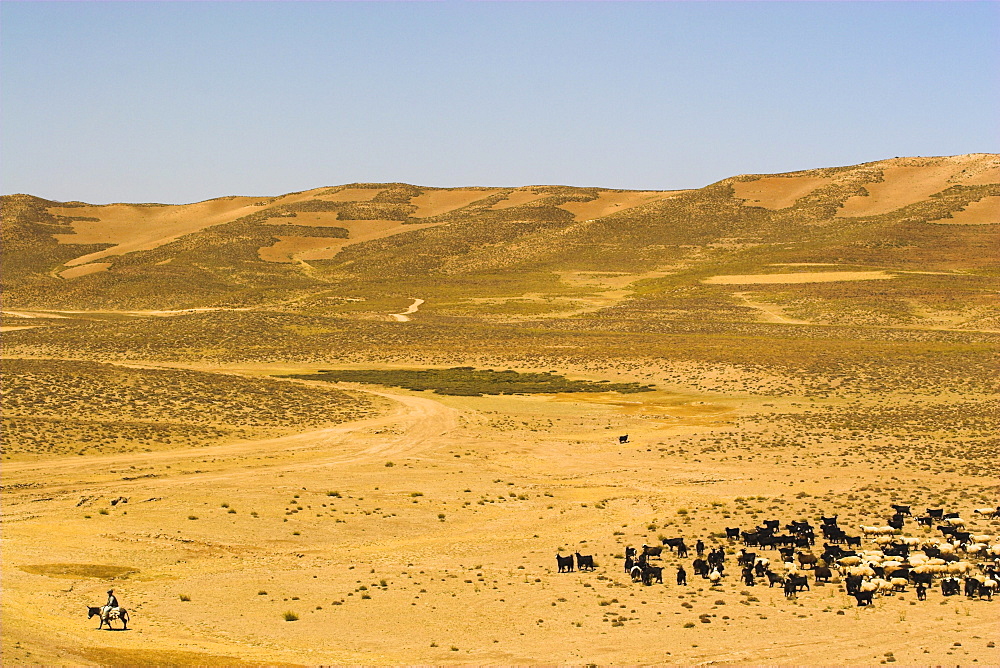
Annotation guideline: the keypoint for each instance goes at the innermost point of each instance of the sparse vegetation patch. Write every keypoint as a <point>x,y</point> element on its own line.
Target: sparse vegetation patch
<point>468,381</point>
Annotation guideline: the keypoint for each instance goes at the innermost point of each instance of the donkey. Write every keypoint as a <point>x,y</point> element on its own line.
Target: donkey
<point>105,616</point>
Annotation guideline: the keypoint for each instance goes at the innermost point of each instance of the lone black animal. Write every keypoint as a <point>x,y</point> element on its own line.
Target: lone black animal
<point>864,597</point>
<point>623,439</point>
<point>565,563</point>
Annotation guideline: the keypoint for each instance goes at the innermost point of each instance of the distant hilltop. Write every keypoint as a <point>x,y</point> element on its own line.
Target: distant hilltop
<point>247,251</point>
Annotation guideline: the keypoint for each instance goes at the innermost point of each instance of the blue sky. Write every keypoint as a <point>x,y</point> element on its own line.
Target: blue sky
<point>179,102</point>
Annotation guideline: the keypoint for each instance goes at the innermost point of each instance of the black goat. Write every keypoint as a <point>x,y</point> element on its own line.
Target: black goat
<point>565,563</point>
<point>901,510</point>
<point>584,562</point>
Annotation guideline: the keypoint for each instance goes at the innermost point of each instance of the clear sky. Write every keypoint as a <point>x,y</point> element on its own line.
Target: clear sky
<point>179,102</point>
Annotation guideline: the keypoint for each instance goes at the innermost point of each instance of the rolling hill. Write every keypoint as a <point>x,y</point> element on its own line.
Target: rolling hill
<point>363,250</point>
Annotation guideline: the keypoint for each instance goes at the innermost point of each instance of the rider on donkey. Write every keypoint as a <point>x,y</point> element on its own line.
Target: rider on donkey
<point>111,604</point>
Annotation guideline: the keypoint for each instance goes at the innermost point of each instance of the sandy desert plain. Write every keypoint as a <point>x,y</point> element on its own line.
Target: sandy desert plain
<point>775,346</point>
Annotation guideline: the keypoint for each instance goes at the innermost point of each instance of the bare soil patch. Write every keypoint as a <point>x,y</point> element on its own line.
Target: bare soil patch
<point>519,197</point>
<point>84,269</point>
<point>903,185</point>
<point>777,192</point>
<point>610,201</point>
<point>981,212</point>
<point>436,202</point>
<point>290,249</point>
<point>143,227</point>
<point>811,277</point>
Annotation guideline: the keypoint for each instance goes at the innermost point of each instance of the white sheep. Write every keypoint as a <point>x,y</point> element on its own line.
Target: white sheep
<point>899,584</point>
<point>981,538</point>
<point>933,569</point>
<point>959,567</point>
<point>849,561</point>
<point>984,511</point>
<point>882,586</point>
<point>955,521</point>
<point>891,567</point>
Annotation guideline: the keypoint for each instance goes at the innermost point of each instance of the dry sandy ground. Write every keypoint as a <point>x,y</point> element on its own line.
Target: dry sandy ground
<point>777,192</point>
<point>290,249</point>
<point>437,202</point>
<point>613,201</point>
<point>982,212</point>
<point>907,184</point>
<point>445,556</point>
<point>142,227</point>
<point>798,277</point>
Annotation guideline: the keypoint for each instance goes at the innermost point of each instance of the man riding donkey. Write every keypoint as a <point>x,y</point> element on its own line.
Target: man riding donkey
<point>111,610</point>
<point>111,604</point>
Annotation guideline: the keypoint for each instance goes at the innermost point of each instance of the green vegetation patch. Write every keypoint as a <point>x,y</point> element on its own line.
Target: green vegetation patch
<point>468,381</point>
<point>113,656</point>
<point>79,570</point>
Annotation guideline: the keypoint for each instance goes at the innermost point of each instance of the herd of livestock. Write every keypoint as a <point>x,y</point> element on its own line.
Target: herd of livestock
<point>965,562</point>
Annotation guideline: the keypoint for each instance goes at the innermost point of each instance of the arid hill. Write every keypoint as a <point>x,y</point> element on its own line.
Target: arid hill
<point>520,245</point>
